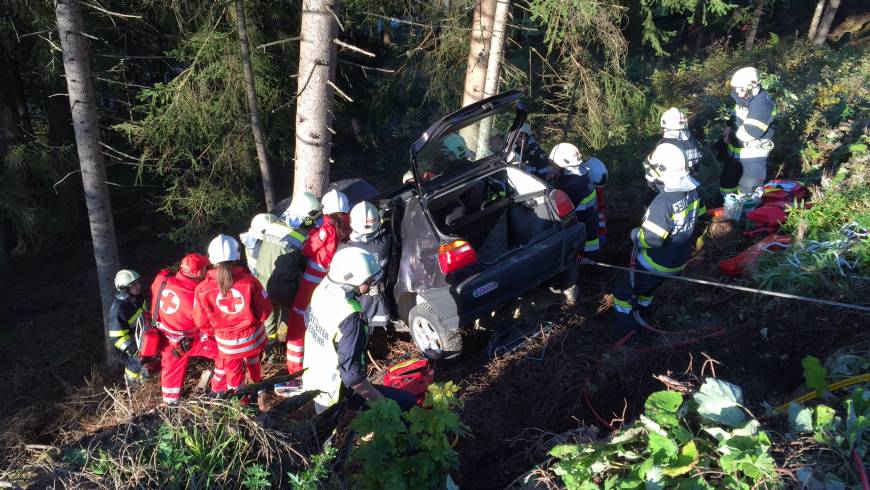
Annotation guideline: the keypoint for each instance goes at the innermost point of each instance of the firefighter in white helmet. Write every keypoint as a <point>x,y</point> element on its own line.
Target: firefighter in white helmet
<point>368,234</point>
<point>336,335</point>
<point>674,124</point>
<point>664,240</point>
<point>749,136</point>
<point>128,317</point>
<point>572,177</point>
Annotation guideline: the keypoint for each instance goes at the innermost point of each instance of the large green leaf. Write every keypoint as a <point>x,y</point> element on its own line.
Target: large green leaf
<point>662,407</point>
<point>687,460</point>
<point>720,401</point>
<point>800,419</point>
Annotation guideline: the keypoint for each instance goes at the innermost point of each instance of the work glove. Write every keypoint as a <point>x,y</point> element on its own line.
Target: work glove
<point>376,289</point>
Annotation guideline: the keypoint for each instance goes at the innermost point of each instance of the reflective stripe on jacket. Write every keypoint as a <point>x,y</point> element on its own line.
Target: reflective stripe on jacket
<point>126,316</point>
<point>174,318</point>
<point>753,118</point>
<point>665,237</point>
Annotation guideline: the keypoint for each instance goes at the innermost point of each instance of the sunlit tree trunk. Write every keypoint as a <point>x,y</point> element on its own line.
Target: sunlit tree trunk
<point>253,108</point>
<point>315,103</point>
<point>825,23</point>
<point>83,105</point>
<point>478,51</point>
<point>493,68</point>
<point>817,16</point>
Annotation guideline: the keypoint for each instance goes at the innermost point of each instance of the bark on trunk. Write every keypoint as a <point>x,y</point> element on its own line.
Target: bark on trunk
<point>825,23</point>
<point>82,101</point>
<point>753,29</point>
<point>314,106</point>
<point>493,68</point>
<point>253,107</point>
<point>478,51</point>
<point>817,16</point>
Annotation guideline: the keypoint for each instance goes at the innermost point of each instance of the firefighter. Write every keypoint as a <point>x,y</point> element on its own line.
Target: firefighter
<point>531,156</point>
<point>231,305</point>
<point>749,136</point>
<point>302,214</point>
<point>368,234</point>
<point>572,177</point>
<point>675,131</point>
<point>337,334</point>
<point>172,307</point>
<point>128,317</point>
<point>664,240</point>
<point>273,240</point>
<point>598,177</point>
<point>454,149</point>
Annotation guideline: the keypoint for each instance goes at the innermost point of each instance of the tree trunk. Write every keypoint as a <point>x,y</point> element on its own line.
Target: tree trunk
<point>817,16</point>
<point>825,23</point>
<point>753,29</point>
<point>253,108</point>
<point>82,101</point>
<point>478,51</point>
<point>493,68</point>
<point>314,106</point>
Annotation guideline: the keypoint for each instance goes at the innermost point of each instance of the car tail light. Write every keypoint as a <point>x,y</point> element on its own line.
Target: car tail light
<point>564,206</point>
<point>456,255</point>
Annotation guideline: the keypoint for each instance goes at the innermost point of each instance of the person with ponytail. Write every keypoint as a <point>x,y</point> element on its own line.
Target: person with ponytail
<point>231,305</point>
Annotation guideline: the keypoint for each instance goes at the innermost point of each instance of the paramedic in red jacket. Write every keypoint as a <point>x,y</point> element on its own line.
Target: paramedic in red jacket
<point>231,305</point>
<point>172,304</point>
<point>320,246</point>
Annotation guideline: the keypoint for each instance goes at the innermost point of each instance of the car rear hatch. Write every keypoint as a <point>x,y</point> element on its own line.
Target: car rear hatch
<point>467,143</point>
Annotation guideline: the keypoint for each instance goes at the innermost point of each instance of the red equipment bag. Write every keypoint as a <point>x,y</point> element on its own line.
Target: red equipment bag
<point>784,190</point>
<point>150,343</point>
<point>413,376</point>
<point>737,266</point>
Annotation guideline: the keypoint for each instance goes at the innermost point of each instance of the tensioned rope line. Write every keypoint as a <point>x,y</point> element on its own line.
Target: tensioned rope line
<point>865,309</point>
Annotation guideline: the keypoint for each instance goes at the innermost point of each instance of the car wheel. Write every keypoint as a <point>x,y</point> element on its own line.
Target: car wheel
<point>431,334</point>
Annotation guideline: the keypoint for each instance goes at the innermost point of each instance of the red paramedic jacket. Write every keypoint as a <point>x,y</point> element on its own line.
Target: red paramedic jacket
<point>323,242</point>
<point>235,320</point>
<point>175,317</point>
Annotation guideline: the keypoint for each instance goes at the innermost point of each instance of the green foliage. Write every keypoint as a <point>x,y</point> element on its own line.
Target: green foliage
<point>317,472</point>
<point>698,11</point>
<point>411,449</point>
<point>194,132</point>
<point>675,444</point>
<point>815,374</point>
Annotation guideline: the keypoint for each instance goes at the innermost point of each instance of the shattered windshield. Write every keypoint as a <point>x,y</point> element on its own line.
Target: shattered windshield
<point>466,144</point>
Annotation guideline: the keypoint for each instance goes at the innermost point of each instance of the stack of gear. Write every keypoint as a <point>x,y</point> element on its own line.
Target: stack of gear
<point>777,197</point>
<point>739,265</point>
<point>413,376</point>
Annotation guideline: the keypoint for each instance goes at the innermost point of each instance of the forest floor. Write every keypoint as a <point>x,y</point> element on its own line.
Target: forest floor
<point>517,405</point>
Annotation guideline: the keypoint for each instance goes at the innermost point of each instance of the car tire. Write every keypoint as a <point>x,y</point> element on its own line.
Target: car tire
<point>431,334</point>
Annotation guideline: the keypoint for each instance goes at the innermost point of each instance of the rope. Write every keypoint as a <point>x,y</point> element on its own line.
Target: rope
<point>864,309</point>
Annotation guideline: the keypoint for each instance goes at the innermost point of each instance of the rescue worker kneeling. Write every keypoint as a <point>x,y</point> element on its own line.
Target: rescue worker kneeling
<point>127,318</point>
<point>172,304</point>
<point>663,242</point>
<point>231,305</point>
<point>337,334</point>
<point>367,234</point>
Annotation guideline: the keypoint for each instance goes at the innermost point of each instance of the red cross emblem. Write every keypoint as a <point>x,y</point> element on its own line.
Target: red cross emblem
<point>169,302</point>
<point>232,303</point>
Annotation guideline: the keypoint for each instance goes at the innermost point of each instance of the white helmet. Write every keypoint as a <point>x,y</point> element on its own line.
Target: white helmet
<point>223,248</point>
<point>673,118</point>
<point>566,155</point>
<point>354,266</point>
<point>671,164</point>
<point>124,278</point>
<point>745,78</point>
<point>260,223</point>
<point>335,202</point>
<point>597,171</point>
<point>304,206</point>
<point>408,177</point>
<point>365,218</point>
<point>454,144</point>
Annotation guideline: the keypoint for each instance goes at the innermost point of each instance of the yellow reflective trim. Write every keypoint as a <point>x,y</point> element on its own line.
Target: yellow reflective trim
<point>120,342</point>
<point>118,333</point>
<point>131,374</point>
<point>755,122</point>
<point>693,206</point>
<point>658,267</point>
<point>136,315</point>
<point>619,302</point>
<point>641,237</point>
<point>655,229</point>
<point>588,199</point>
<point>295,234</point>
<point>728,190</point>
<point>592,245</point>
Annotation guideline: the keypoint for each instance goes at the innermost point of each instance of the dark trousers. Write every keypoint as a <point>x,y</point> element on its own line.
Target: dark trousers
<point>644,286</point>
<point>732,170</point>
<point>404,399</point>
